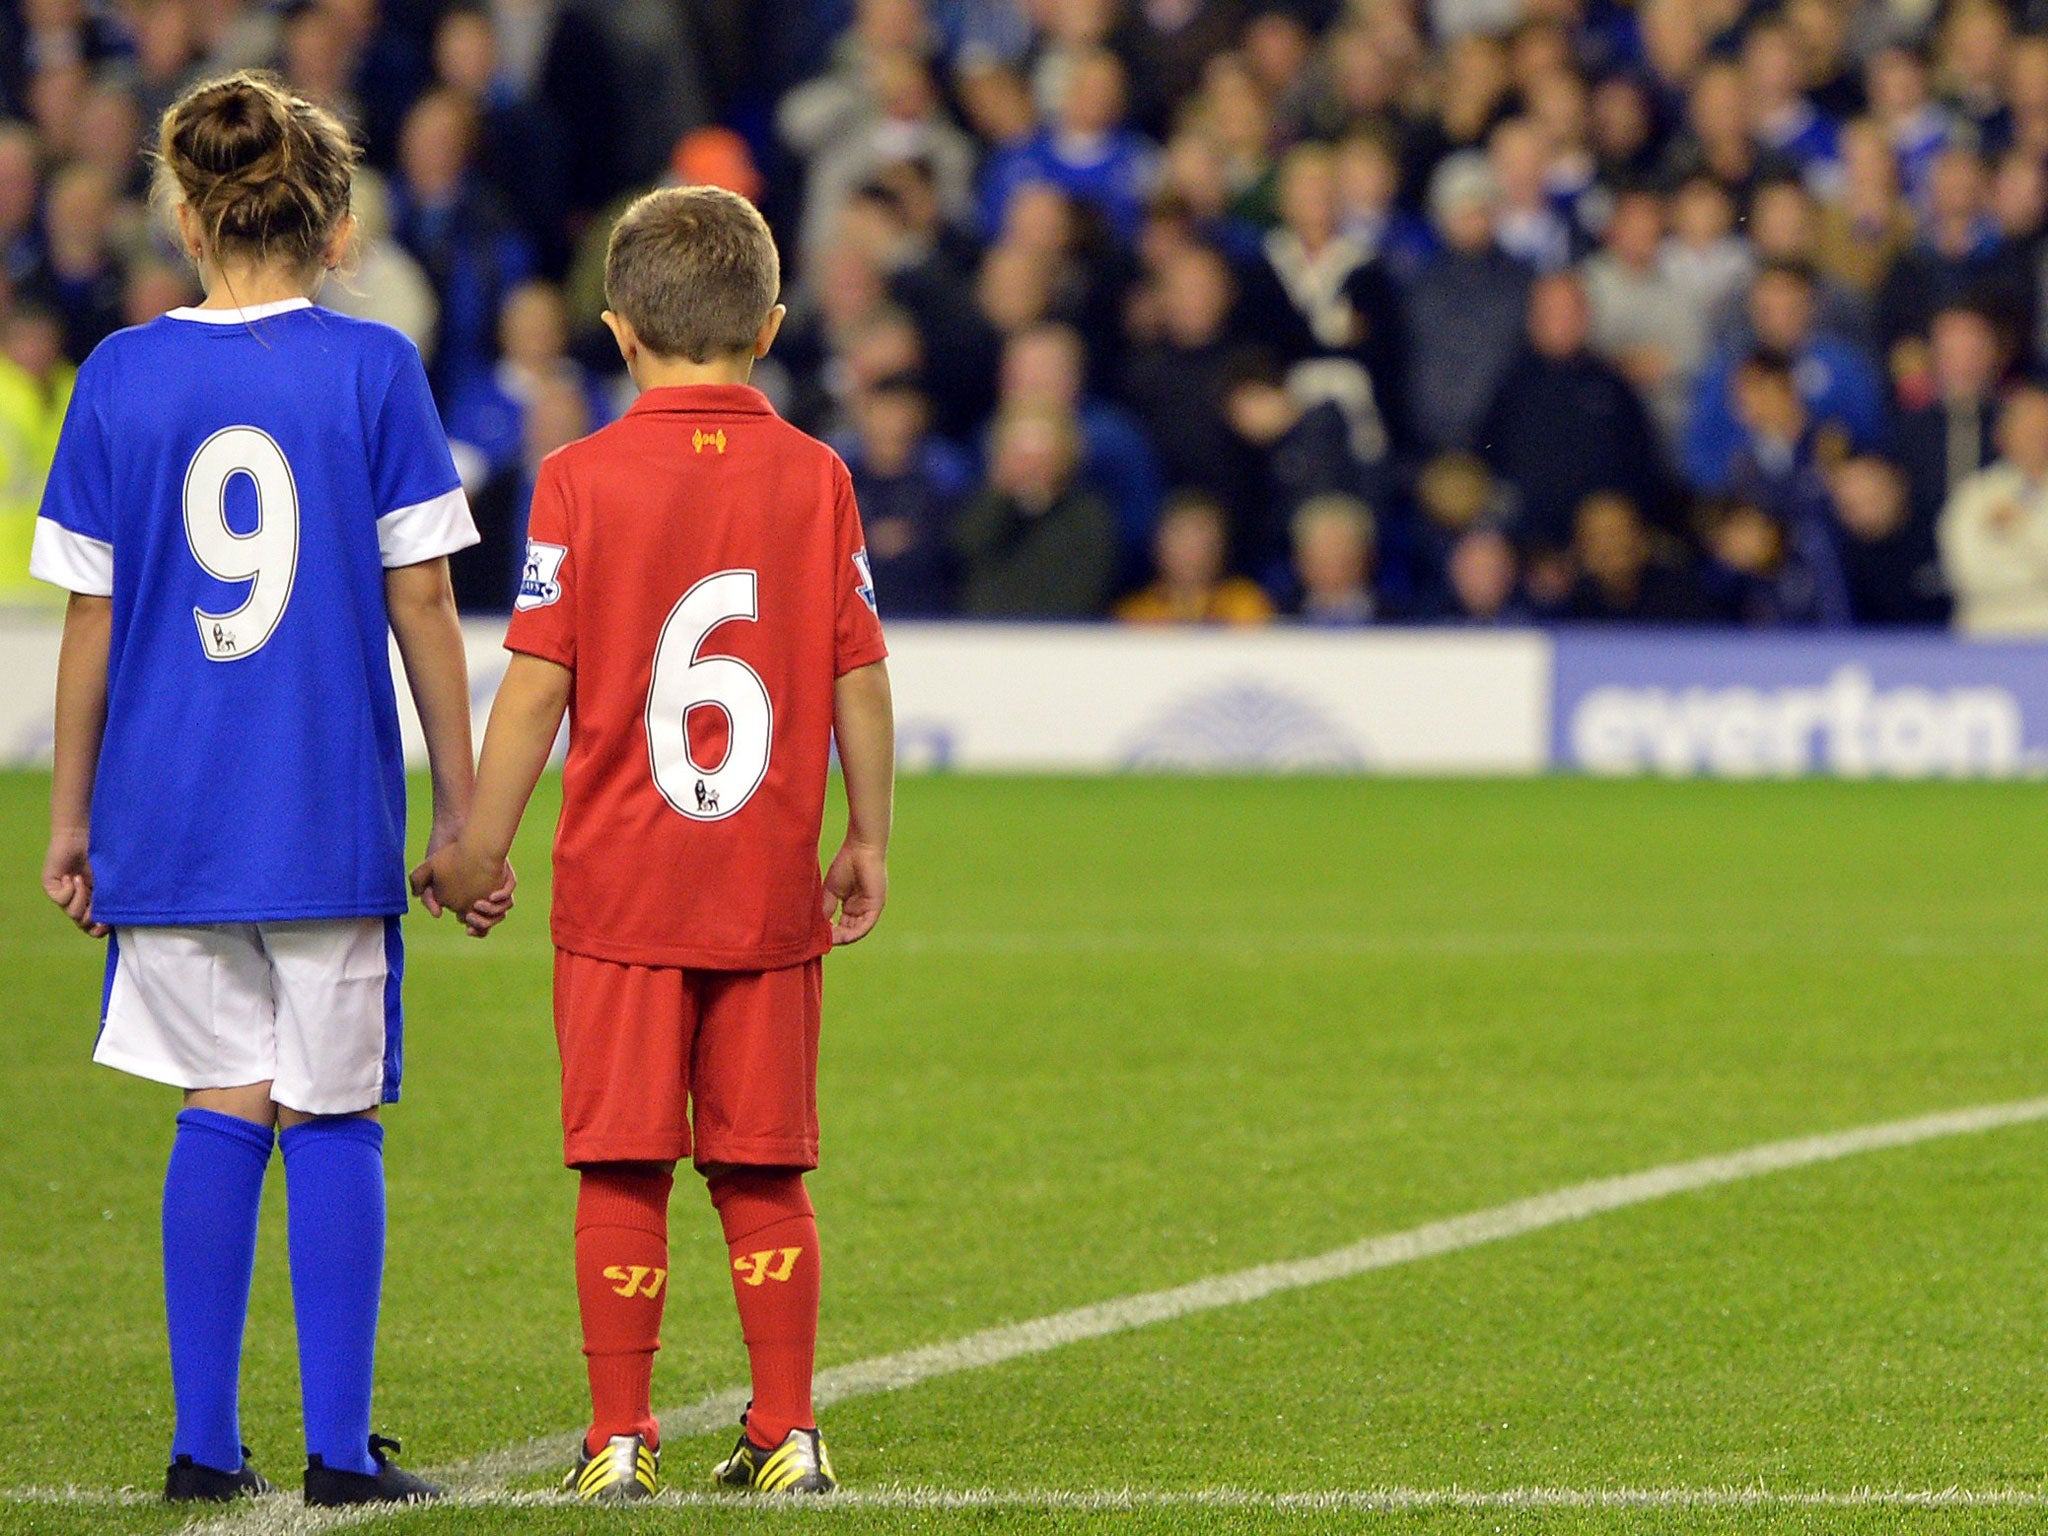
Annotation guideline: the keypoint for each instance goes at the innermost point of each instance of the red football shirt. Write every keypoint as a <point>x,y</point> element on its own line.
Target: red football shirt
<point>699,566</point>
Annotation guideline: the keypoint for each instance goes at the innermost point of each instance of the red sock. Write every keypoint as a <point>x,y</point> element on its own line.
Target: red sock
<point>621,1283</point>
<point>772,1234</point>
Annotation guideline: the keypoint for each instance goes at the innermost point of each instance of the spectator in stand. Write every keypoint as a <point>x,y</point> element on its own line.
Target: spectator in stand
<point>1868,224</point>
<point>1527,224</point>
<point>1369,212</point>
<point>1896,81</point>
<point>1956,257</point>
<point>1892,569</point>
<point>1175,384</point>
<point>1564,422</point>
<point>1644,323</point>
<point>1784,230</point>
<point>459,232</point>
<point>1994,531</point>
<point>1622,578</point>
<point>1781,117</point>
<point>1313,292</point>
<point>21,193</point>
<point>1703,256</point>
<point>1975,40</point>
<point>1941,444</point>
<point>154,288</point>
<point>1484,572</point>
<point>486,419</point>
<point>904,122</point>
<point>487,575</point>
<point>35,388</point>
<point>1296,446</point>
<point>1456,493</point>
<point>1234,114</point>
<point>1782,469</point>
<point>314,49</point>
<point>1045,366</point>
<point>909,485</point>
<point>108,137</point>
<point>825,109</point>
<point>79,276</point>
<point>2026,94</point>
<point>166,43</point>
<point>1086,150</point>
<point>383,282</point>
<point>1465,311</point>
<point>1838,381</point>
<point>519,142</point>
<point>1036,543</point>
<point>1335,540</point>
<point>1193,584</point>
<point>1716,141</point>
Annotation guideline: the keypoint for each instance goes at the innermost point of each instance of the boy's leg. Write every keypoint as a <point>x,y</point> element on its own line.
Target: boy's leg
<point>621,1286</point>
<point>337,1024</point>
<point>754,1077</point>
<point>771,1236</point>
<point>624,1033</point>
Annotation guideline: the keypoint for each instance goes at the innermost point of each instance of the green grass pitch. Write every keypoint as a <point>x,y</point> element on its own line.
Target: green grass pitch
<point>1117,1035</point>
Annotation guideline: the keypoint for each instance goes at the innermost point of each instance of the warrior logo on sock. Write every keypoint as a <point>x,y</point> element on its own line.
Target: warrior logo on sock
<point>768,1264</point>
<point>636,1280</point>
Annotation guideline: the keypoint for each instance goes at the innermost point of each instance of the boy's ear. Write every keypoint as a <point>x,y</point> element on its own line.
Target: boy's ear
<point>765,337</point>
<point>623,333</point>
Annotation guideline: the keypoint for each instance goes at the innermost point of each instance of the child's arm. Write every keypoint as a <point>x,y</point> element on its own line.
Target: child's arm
<point>864,721</point>
<point>524,721</point>
<point>421,602</point>
<point>81,722</point>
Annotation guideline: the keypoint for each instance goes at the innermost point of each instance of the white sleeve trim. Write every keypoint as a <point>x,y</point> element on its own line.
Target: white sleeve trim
<point>427,530</point>
<point>68,559</point>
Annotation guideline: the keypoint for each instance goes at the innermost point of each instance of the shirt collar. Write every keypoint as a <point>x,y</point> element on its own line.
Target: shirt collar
<point>703,400</point>
<point>240,316</point>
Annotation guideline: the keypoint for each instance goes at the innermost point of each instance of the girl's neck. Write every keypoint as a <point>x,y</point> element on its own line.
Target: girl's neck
<point>251,286</point>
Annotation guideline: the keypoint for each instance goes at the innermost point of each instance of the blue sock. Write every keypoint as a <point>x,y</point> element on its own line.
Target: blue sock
<point>212,1191</point>
<point>334,1171</point>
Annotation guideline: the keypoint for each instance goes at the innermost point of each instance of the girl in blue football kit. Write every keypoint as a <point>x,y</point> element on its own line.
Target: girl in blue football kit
<point>248,498</point>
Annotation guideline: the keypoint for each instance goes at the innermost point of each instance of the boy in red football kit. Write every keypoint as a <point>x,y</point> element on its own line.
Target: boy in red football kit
<point>696,597</point>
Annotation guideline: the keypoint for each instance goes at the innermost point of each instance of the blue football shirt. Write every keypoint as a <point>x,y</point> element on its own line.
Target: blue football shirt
<point>238,481</point>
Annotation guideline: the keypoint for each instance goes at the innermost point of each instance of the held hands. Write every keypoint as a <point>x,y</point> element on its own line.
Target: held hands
<point>67,879</point>
<point>856,888</point>
<point>479,891</point>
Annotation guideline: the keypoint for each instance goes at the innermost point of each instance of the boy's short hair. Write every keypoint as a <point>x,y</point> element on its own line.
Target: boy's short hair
<point>694,270</point>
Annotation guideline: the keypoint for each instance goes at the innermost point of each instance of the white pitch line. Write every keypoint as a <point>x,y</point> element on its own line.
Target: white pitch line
<point>485,1475</point>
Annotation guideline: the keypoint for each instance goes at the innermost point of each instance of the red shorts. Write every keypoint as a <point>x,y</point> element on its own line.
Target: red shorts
<point>648,1052</point>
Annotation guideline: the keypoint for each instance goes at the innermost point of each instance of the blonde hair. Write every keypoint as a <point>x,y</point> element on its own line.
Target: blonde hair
<point>267,172</point>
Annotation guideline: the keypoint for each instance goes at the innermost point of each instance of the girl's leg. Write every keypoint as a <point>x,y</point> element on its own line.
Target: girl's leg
<point>213,1190</point>
<point>334,1170</point>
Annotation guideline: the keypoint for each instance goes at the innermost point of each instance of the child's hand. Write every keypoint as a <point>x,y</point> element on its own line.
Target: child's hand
<point>489,911</point>
<point>475,889</point>
<point>856,888</point>
<point>67,879</point>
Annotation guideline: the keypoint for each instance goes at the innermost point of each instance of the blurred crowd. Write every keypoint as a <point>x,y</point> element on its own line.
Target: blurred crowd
<point>1181,311</point>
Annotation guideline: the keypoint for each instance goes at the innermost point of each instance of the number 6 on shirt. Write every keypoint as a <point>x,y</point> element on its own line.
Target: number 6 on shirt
<point>684,680</point>
<point>267,558</point>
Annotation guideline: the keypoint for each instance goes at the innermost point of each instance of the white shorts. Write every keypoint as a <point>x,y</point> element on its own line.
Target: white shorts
<point>311,1008</point>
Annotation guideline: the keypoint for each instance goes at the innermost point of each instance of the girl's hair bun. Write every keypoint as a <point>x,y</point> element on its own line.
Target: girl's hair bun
<point>267,172</point>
